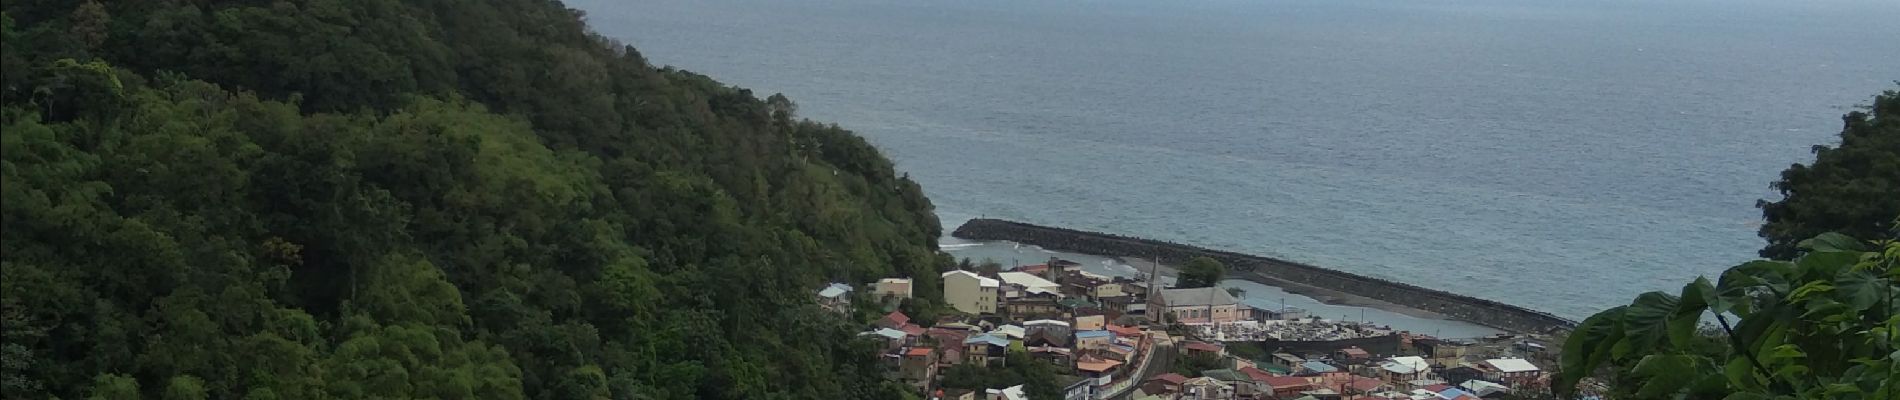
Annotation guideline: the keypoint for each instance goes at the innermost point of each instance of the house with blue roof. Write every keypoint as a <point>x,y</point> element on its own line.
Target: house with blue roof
<point>835,297</point>
<point>984,348</point>
<point>1316,367</point>
<point>1094,340</point>
<point>1456,394</point>
<point>891,338</point>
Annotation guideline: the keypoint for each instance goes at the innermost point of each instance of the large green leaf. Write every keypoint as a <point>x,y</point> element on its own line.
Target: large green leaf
<point>1825,266</point>
<point>1646,323</point>
<point>1669,374</point>
<point>1743,287</point>
<point>1697,296</point>
<point>1741,374</point>
<point>1831,242</point>
<point>1765,329</point>
<point>1860,289</point>
<point>1589,345</point>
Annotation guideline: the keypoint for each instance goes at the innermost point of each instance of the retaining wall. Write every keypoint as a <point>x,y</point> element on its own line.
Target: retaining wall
<point>1265,270</point>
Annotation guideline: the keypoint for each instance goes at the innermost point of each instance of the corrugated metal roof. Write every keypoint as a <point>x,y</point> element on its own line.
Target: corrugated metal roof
<point>1512,365</point>
<point>1170,377</point>
<point>1453,393</point>
<point>990,339</point>
<point>1405,365</point>
<point>983,281</point>
<point>1011,331</point>
<point>835,290</point>
<point>1317,366</point>
<point>888,333</point>
<point>1027,280</point>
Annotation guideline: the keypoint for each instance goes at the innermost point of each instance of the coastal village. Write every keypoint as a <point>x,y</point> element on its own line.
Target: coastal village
<point>1124,338</point>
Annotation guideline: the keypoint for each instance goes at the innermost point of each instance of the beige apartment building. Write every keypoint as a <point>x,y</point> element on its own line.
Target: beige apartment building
<point>969,292</point>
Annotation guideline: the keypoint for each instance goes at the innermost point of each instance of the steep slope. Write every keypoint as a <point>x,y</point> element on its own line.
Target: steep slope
<point>397,199</point>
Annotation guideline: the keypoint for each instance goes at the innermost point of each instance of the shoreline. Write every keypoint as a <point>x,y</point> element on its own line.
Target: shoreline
<point>1322,295</point>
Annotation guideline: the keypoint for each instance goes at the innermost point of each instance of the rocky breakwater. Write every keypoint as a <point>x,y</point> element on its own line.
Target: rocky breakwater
<point>1270,271</point>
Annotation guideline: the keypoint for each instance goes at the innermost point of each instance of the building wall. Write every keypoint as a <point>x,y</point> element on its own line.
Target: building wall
<point>968,295</point>
<point>1202,314</point>
<point>920,370</point>
<point>1094,343</point>
<point>1108,290</point>
<point>1090,323</point>
<point>1081,390</point>
<point>897,289</point>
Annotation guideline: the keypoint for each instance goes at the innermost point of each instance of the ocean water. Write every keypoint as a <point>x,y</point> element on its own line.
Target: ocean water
<point>1557,154</point>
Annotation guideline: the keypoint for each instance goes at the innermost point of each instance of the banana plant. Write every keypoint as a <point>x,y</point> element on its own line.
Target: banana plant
<point>1824,326</point>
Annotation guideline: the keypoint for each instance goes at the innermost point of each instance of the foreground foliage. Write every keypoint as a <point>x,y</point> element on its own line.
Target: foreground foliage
<point>419,199</point>
<point>1824,326</point>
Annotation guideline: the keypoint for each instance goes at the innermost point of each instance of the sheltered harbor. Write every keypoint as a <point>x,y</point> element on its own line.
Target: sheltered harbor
<point>1271,271</point>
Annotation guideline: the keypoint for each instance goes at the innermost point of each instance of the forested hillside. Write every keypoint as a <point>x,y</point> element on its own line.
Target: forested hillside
<point>357,199</point>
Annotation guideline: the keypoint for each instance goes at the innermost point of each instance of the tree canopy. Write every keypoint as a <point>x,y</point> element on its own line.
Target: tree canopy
<point>1852,188</point>
<point>1201,272</point>
<point>327,199</point>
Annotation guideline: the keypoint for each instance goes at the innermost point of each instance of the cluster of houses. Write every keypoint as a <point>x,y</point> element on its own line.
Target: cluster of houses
<point>1088,325</point>
<point>1432,369</point>
<point>1100,331</point>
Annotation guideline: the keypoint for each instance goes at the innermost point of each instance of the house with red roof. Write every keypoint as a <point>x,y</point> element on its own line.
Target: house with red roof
<point>1196,347</point>
<point>1037,269</point>
<point>1096,367</point>
<point>893,320</point>
<point>1288,386</point>
<point>1347,383</point>
<point>913,330</point>
<point>949,343</point>
<point>1352,353</point>
<point>1258,375</point>
<point>1164,383</point>
<point>918,366</point>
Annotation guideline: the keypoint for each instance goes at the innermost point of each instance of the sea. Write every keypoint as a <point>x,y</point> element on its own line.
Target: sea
<point>1562,155</point>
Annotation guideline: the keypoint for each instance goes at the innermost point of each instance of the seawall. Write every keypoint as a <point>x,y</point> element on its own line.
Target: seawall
<point>1265,270</point>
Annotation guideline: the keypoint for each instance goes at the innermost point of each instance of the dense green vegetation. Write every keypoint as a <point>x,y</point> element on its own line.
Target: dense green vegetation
<point>1201,272</point>
<point>1039,378</point>
<point>311,199</point>
<point>1824,326</point>
<point>1191,365</point>
<point>1853,188</point>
